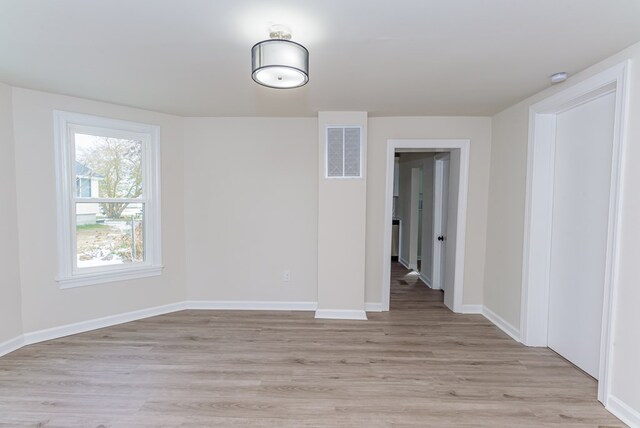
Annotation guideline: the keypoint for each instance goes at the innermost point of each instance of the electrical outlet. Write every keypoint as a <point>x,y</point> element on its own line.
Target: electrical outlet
<point>286,275</point>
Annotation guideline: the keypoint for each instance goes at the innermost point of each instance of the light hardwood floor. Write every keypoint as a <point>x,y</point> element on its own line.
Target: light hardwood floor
<point>417,366</point>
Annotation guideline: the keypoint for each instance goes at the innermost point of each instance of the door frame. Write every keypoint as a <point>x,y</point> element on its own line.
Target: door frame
<point>539,205</point>
<point>438,176</point>
<point>435,146</point>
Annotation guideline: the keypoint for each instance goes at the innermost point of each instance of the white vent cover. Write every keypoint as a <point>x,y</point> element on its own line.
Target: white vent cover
<point>344,149</point>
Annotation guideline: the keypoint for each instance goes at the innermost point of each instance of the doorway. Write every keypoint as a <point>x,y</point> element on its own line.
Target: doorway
<point>571,224</point>
<point>453,272</point>
<point>413,212</point>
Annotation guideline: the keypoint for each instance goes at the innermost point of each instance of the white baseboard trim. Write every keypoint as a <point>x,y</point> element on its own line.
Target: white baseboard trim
<point>108,321</point>
<point>251,306</point>
<point>11,345</point>
<point>472,309</point>
<point>501,323</point>
<point>373,307</point>
<point>616,406</point>
<point>623,411</point>
<point>83,326</point>
<point>111,320</point>
<point>404,263</point>
<point>341,314</point>
<point>424,278</point>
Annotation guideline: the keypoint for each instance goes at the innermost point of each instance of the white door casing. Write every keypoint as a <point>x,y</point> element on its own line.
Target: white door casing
<point>435,145</point>
<point>452,173</point>
<point>538,211</point>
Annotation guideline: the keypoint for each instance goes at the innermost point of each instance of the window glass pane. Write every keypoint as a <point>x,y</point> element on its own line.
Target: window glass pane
<point>114,165</point>
<point>109,233</point>
<point>83,187</point>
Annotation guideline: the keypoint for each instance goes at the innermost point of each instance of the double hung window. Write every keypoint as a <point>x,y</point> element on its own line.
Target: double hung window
<point>108,199</point>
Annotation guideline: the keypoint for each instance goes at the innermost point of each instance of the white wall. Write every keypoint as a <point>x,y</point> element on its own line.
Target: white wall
<point>478,130</point>
<point>503,279</point>
<point>10,296</point>
<point>341,224</point>
<point>246,198</point>
<point>505,223</point>
<point>251,208</point>
<point>44,304</point>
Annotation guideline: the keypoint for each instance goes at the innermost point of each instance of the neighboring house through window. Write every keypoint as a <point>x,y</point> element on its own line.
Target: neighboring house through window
<point>87,185</point>
<point>108,199</point>
<point>83,187</point>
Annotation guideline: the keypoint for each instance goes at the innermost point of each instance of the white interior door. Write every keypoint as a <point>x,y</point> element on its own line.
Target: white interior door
<point>582,179</point>
<point>420,219</point>
<point>414,221</point>
<point>440,217</point>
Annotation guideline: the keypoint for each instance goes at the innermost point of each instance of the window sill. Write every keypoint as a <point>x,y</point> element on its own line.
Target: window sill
<point>104,277</point>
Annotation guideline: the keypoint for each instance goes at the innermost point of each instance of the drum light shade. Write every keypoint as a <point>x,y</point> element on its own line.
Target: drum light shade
<point>280,63</point>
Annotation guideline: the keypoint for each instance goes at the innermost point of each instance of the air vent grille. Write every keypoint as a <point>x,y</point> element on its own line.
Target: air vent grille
<point>344,152</point>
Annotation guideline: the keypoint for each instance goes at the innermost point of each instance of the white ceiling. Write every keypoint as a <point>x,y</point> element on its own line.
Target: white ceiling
<point>392,57</point>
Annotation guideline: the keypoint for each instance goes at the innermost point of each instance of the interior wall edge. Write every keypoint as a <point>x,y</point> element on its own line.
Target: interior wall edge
<point>251,305</point>
<point>623,411</point>
<point>11,345</point>
<point>341,314</point>
<point>37,336</point>
<point>501,323</point>
<point>373,306</point>
<point>426,279</point>
<point>495,319</point>
<point>11,299</point>
<point>472,309</point>
<point>97,323</point>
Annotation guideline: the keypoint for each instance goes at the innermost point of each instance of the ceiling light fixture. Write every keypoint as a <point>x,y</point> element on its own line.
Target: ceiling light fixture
<point>278,62</point>
<point>559,77</point>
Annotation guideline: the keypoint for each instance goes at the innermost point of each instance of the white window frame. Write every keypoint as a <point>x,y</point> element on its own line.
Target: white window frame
<point>326,153</point>
<point>65,123</point>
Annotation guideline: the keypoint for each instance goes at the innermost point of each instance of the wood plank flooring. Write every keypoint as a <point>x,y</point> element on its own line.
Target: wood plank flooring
<point>418,365</point>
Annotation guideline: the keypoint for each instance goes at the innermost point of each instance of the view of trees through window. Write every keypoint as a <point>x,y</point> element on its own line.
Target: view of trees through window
<point>110,220</point>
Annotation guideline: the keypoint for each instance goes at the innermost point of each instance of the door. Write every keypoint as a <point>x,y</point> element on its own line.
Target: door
<point>582,180</point>
<point>440,220</point>
<point>414,220</point>
<point>419,215</point>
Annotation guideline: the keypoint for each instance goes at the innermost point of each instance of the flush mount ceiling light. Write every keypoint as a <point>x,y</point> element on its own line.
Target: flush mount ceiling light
<point>278,62</point>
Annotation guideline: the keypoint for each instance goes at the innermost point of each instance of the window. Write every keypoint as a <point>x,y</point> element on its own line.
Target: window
<point>108,195</point>
<point>343,152</point>
<point>83,187</point>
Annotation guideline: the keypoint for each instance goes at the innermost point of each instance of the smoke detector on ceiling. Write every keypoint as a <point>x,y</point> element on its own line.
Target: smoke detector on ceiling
<point>559,77</point>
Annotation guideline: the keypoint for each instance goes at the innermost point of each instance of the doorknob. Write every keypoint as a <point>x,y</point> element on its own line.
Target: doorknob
<point>440,238</point>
